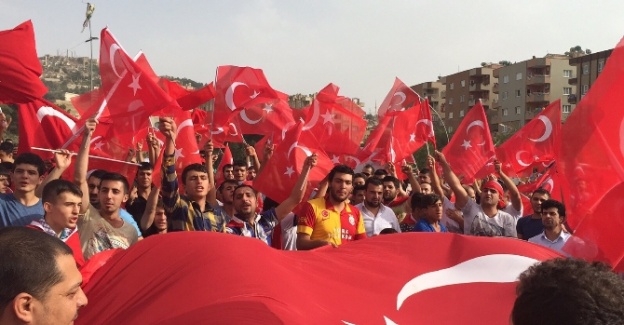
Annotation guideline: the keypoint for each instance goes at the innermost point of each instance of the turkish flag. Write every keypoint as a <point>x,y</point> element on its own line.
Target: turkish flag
<point>19,66</point>
<point>423,288</point>
<point>88,102</point>
<point>226,159</point>
<point>264,119</point>
<point>410,130</point>
<point>278,177</point>
<point>471,146</point>
<point>399,98</point>
<point>592,166</point>
<point>44,125</point>
<point>377,139</point>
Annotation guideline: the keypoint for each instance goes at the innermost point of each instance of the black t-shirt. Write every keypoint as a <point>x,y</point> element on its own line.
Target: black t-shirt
<point>529,227</point>
<point>137,208</point>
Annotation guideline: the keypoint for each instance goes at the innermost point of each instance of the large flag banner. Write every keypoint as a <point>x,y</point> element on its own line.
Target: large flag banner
<point>399,98</point>
<point>409,285</point>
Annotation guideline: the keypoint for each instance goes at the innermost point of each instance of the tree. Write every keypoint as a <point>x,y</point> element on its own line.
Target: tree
<point>504,63</point>
<point>577,51</point>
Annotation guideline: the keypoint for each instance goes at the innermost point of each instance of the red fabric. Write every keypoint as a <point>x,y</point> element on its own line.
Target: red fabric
<point>226,159</point>
<point>198,97</point>
<point>87,102</point>
<point>471,146</point>
<point>137,286</point>
<point>410,130</point>
<point>73,242</point>
<point>278,177</point>
<point>592,166</point>
<point>399,98</point>
<point>19,66</point>
<point>264,119</point>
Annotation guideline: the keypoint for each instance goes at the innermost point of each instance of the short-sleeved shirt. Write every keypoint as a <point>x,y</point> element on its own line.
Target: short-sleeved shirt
<point>477,223</point>
<point>322,222</point>
<point>137,208</point>
<point>127,217</point>
<point>423,226</point>
<point>262,228</point>
<point>528,227</point>
<point>513,212</point>
<point>14,213</point>
<point>450,224</point>
<point>97,235</point>
<point>374,224</point>
<point>556,244</point>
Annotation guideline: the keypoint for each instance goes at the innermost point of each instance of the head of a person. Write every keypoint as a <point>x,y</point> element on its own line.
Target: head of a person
<point>424,176</point>
<point>359,194</point>
<point>240,171</point>
<point>368,170</point>
<point>425,188</point>
<point>380,173</point>
<point>553,214</point>
<point>340,183</point>
<point>491,194</point>
<point>228,171</point>
<point>568,291</point>
<point>6,150</point>
<point>160,217</point>
<point>28,171</point>
<point>93,182</point>
<point>470,191</point>
<point>358,179</point>
<point>252,172</point>
<point>537,198</point>
<point>5,180</point>
<point>61,200</point>
<point>374,192</point>
<point>388,231</point>
<point>113,192</point>
<point>245,201</point>
<point>40,281</point>
<point>427,206</point>
<point>390,188</point>
<point>226,191</point>
<point>144,175</point>
<point>195,179</point>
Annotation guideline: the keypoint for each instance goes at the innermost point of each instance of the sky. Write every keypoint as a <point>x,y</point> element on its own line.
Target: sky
<point>302,45</point>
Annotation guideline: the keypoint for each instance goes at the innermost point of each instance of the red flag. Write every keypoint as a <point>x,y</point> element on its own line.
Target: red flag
<point>280,174</point>
<point>88,102</point>
<point>226,159</point>
<point>265,119</point>
<point>471,146</point>
<point>399,98</point>
<point>410,130</point>
<point>592,165</point>
<point>420,281</point>
<point>19,66</point>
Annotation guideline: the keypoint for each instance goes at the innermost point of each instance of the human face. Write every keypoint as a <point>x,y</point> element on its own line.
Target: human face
<point>425,188</point>
<point>433,212</point>
<point>551,218</point>
<point>63,301</point>
<point>340,187</point>
<point>536,201</point>
<point>112,195</point>
<point>228,173</point>
<point>4,184</point>
<point>368,172</point>
<point>424,178</point>
<point>94,190</point>
<point>251,174</point>
<point>63,211</point>
<point>245,202</point>
<point>373,195</point>
<point>358,197</point>
<point>359,181</point>
<point>240,173</point>
<point>144,178</point>
<point>196,184</point>
<point>227,193</point>
<point>489,197</point>
<point>26,178</point>
<point>160,219</point>
<point>389,191</point>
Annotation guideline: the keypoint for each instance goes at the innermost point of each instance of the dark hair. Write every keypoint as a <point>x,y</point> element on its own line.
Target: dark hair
<point>29,158</point>
<point>28,263</point>
<point>368,166</point>
<point>387,231</point>
<point>423,201</point>
<point>227,181</point>
<point>392,179</point>
<point>374,181</point>
<point>98,173</point>
<point>245,185</point>
<point>4,171</point>
<point>145,166</point>
<point>425,170</point>
<point>240,163</point>
<point>569,291</point>
<point>116,177</point>
<point>7,147</point>
<point>252,167</point>
<point>541,191</point>
<point>380,172</point>
<point>193,168</point>
<point>550,203</point>
<point>57,187</point>
<point>340,169</point>
<point>359,188</point>
<point>359,175</point>
<point>226,166</point>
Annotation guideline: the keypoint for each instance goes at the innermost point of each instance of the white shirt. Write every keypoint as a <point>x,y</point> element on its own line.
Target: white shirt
<point>476,222</point>
<point>449,223</point>
<point>514,213</point>
<point>556,244</point>
<point>384,218</point>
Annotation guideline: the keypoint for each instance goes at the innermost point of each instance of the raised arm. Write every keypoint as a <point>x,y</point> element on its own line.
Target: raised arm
<point>153,149</point>
<point>297,193</point>
<point>436,185</point>
<point>150,209</point>
<point>62,160</point>
<point>82,163</point>
<point>251,153</point>
<point>268,153</point>
<point>169,183</point>
<point>409,171</point>
<point>461,197</point>
<point>392,172</point>
<point>514,194</point>
<point>209,163</point>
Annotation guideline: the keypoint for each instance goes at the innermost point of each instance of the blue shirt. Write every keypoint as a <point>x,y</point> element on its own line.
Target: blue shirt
<point>556,244</point>
<point>423,226</point>
<point>13,213</point>
<point>262,229</point>
<point>127,217</point>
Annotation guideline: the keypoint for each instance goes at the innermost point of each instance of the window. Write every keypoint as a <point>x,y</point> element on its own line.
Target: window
<point>585,89</point>
<point>463,83</point>
<point>519,76</point>
<point>518,110</point>
<point>452,86</point>
<point>505,112</point>
<point>461,98</point>
<point>450,114</point>
<point>567,73</point>
<point>450,101</point>
<point>601,65</point>
<point>567,108</point>
<point>461,113</point>
<point>518,93</point>
<point>586,68</point>
<point>567,90</point>
<point>505,79</point>
<point>450,129</point>
<point>505,94</point>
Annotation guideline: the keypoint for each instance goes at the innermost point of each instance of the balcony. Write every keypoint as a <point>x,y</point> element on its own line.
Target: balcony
<point>476,72</point>
<point>496,104</point>
<point>572,99</point>
<point>495,88</point>
<point>538,63</point>
<point>538,97</point>
<point>492,116</point>
<point>496,73</point>
<point>443,94</point>
<point>572,81</point>
<point>475,86</point>
<point>537,79</point>
<point>484,101</point>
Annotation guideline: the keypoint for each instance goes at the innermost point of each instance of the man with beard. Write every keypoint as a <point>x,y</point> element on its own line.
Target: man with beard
<point>391,198</point>
<point>553,216</point>
<point>531,225</point>
<point>330,220</point>
<point>377,216</point>
<point>136,205</point>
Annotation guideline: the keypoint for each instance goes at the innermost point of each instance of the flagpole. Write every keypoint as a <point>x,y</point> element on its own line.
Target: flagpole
<point>90,156</point>
<point>212,124</point>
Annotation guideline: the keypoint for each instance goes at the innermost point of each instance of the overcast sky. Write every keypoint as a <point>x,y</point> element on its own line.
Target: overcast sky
<point>360,45</point>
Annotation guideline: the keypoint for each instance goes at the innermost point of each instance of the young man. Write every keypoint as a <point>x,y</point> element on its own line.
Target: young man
<point>228,172</point>
<point>553,216</point>
<point>330,220</point>
<point>23,206</point>
<point>225,194</point>
<point>368,170</point>
<point>102,228</point>
<point>240,171</point>
<point>377,216</point>
<point>359,195</point>
<point>246,222</point>
<point>429,209</point>
<point>358,179</point>
<point>40,281</point>
<point>531,225</point>
<point>136,205</point>
<point>391,198</point>
<point>154,220</point>
<point>62,200</point>
<point>6,152</point>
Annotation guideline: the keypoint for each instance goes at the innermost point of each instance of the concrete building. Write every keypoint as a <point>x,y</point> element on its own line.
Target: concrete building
<point>587,68</point>
<point>433,90</point>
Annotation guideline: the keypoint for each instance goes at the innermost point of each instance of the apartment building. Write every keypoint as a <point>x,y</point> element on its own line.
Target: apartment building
<point>432,90</point>
<point>587,69</point>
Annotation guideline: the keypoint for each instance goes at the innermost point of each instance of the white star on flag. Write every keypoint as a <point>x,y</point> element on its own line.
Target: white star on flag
<point>98,145</point>
<point>335,159</point>
<point>412,137</point>
<point>135,83</point>
<point>268,108</point>
<point>328,118</point>
<point>178,154</point>
<point>289,171</point>
<point>466,144</point>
